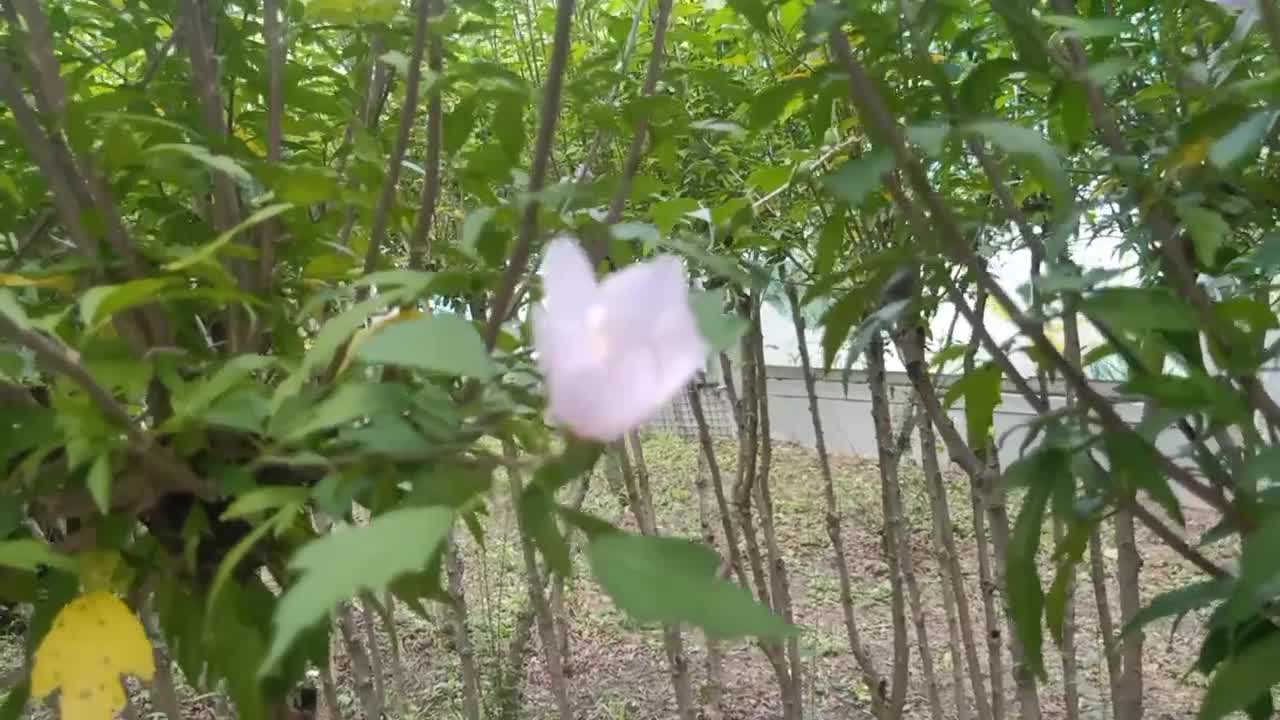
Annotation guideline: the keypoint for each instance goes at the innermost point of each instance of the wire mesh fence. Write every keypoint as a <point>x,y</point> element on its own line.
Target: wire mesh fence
<point>677,417</point>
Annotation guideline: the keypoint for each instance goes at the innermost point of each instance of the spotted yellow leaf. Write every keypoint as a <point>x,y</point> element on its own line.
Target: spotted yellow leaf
<point>64,283</point>
<point>94,640</point>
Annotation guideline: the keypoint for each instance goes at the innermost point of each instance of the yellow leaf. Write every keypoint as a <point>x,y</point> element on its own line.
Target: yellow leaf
<point>65,283</point>
<point>1191,155</point>
<point>94,640</point>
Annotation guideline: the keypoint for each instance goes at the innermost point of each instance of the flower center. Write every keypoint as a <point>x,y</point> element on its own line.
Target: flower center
<point>597,339</point>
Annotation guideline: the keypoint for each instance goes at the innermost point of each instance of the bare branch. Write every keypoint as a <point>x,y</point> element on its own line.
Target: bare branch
<point>391,182</point>
<point>548,118</point>
<point>158,460</point>
<point>636,152</point>
<point>872,108</point>
<point>273,36</point>
<point>419,244</point>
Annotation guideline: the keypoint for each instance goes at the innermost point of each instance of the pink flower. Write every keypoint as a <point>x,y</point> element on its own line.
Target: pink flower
<point>615,352</point>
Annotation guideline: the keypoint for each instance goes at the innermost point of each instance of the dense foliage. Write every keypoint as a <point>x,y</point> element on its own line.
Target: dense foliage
<point>266,261</point>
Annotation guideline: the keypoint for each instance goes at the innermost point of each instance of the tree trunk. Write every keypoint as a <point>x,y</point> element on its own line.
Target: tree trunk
<point>977,466</point>
<point>888,472</point>
<point>780,584</point>
<point>636,479</point>
<point>875,682</point>
<point>743,491</point>
<point>454,571</point>
<point>1070,663</point>
<point>1106,625</point>
<point>542,616</point>
<point>949,567</point>
<point>1129,565</point>
<point>713,689</point>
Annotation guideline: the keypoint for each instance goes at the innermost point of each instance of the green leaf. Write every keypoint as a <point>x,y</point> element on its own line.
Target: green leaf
<point>1087,28</point>
<point>207,252</point>
<point>99,483</point>
<point>537,519</point>
<point>348,403</point>
<point>1259,567</point>
<point>347,562</point>
<point>1133,469</point>
<point>769,104</point>
<point>981,392</point>
<point>1241,680</point>
<point>1178,602</point>
<point>100,303</point>
<point>352,11</point>
<point>29,555</point>
<point>1025,143</point>
<point>720,330</point>
<point>1068,556</point>
<point>1243,142</point>
<point>458,124</point>
<point>671,581</point>
<point>1139,309</point>
<point>930,137</point>
<point>198,396</point>
<point>1024,31</point>
<point>1208,232</point>
<point>265,498</point>
<point>577,459</point>
<point>854,180</point>
<point>830,243</point>
<point>754,12</point>
<point>766,179</point>
<point>978,89</point>
<point>216,163</point>
<point>1040,472</point>
<point>668,213</point>
<point>1073,110</point>
<point>440,342</point>
<point>509,124</point>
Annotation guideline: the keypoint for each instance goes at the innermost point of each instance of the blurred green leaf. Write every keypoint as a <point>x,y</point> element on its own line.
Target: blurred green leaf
<point>671,581</point>
<point>440,342</point>
<point>854,180</point>
<point>347,562</point>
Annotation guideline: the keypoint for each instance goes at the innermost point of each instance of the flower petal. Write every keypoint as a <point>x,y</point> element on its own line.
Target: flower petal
<point>567,278</point>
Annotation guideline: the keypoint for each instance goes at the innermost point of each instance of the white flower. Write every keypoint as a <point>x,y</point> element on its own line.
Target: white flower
<point>615,352</point>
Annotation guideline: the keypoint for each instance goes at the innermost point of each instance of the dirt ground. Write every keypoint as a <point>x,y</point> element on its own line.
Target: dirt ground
<point>618,669</point>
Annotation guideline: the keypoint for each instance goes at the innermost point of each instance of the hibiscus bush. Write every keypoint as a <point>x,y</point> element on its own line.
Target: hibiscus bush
<point>272,335</point>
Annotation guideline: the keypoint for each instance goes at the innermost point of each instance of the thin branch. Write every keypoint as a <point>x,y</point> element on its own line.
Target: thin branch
<point>157,459</point>
<point>273,36</point>
<point>156,62</point>
<point>636,152</point>
<point>419,243</point>
<point>872,108</point>
<point>1156,214</point>
<point>30,239</point>
<point>548,118</point>
<point>413,78</point>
